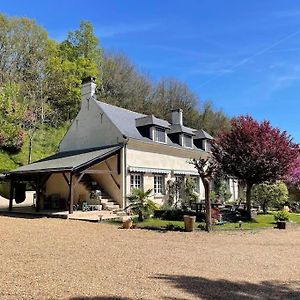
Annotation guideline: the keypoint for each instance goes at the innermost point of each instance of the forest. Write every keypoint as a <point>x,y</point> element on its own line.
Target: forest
<point>40,89</point>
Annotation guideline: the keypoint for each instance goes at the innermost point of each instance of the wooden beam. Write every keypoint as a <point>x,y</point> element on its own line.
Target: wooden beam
<point>38,194</point>
<point>71,194</point>
<point>78,180</point>
<point>45,179</point>
<point>111,174</point>
<point>66,179</point>
<point>119,162</point>
<point>11,195</point>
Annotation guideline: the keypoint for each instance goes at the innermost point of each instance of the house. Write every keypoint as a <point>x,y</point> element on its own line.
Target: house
<point>114,150</point>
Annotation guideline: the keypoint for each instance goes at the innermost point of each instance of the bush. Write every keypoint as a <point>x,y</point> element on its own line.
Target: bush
<point>177,214</point>
<point>282,215</point>
<point>270,195</point>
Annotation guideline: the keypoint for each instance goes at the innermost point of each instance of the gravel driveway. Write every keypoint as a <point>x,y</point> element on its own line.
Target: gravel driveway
<point>62,259</point>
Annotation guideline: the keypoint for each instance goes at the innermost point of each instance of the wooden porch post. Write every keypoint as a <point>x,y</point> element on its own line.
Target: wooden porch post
<point>71,194</point>
<point>11,195</point>
<point>38,195</point>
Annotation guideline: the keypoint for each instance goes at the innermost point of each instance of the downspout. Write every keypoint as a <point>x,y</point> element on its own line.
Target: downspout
<point>125,171</point>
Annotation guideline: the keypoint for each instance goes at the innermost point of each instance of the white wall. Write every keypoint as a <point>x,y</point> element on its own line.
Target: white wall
<point>91,128</point>
<point>160,157</point>
<point>233,187</point>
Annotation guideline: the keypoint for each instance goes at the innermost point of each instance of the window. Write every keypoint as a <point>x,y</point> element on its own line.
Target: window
<point>196,182</point>
<point>136,181</point>
<point>159,184</point>
<point>159,135</point>
<point>187,141</point>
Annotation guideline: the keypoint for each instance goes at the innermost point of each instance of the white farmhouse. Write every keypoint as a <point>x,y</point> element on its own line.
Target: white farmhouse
<point>114,150</point>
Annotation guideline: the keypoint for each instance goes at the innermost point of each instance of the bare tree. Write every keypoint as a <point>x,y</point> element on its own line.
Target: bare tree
<point>207,168</point>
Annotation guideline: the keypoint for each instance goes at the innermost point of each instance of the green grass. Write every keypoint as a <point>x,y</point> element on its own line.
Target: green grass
<point>261,221</point>
<point>45,143</point>
<point>159,223</point>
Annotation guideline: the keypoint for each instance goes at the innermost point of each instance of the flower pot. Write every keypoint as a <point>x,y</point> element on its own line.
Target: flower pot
<point>127,224</point>
<point>281,224</point>
<point>189,223</point>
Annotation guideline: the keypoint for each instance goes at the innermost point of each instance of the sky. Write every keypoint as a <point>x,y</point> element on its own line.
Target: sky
<point>244,56</point>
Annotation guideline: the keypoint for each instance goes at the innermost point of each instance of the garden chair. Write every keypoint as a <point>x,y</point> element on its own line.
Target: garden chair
<point>85,206</point>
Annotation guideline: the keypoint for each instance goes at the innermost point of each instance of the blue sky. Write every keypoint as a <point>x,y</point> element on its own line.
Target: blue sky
<point>242,55</point>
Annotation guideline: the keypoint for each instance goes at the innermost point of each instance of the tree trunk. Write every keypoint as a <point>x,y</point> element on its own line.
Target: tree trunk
<point>248,199</point>
<point>264,207</point>
<point>30,149</point>
<point>208,222</point>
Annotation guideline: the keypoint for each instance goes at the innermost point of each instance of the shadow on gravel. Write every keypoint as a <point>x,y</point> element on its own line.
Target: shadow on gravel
<point>202,288</point>
<point>21,215</point>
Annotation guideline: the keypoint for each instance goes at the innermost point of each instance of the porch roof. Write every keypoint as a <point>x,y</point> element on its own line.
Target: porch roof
<point>68,161</point>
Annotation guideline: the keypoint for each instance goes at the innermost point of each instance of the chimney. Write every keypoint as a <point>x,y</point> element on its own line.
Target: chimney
<point>177,116</point>
<point>88,90</point>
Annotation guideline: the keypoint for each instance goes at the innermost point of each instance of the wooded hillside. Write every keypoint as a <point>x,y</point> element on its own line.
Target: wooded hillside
<point>40,89</point>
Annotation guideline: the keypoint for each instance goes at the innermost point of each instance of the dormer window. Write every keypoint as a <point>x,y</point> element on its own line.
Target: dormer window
<point>160,135</point>
<point>187,141</point>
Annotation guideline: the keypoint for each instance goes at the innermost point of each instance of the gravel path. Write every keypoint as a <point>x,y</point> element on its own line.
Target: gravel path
<point>63,259</point>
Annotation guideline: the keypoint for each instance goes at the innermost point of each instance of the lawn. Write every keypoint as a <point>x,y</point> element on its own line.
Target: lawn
<point>261,221</point>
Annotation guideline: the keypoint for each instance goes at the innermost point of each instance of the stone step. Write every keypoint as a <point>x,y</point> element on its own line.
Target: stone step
<point>111,207</point>
<point>108,200</point>
<point>105,197</point>
<point>121,213</point>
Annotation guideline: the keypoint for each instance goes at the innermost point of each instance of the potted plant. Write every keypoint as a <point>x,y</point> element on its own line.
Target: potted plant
<point>282,217</point>
<point>127,224</point>
<point>189,223</point>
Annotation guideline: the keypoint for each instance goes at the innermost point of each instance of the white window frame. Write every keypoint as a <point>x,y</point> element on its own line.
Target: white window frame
<point>159,184</point>
<point>155,135</point>
<point>184,141</point>
<point>136,181</point>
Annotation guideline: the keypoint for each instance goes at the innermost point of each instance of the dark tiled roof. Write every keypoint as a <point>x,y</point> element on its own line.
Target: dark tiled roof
<point>201,134</point>
<point>69,160</point>
<point>177,128</point>
<point>151,120</point>
<point>125,121</point>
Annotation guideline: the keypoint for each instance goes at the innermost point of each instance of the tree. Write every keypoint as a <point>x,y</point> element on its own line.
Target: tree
<point>254,152</point>
<point>270,194</point>
<point>30,125</point>
<point>293,178</point>
<point>11,117</point>
<point>207,168</point>
<point>222,190</point>
<point>123,85</point>
<point>69,62</point>
<point>141,204</point>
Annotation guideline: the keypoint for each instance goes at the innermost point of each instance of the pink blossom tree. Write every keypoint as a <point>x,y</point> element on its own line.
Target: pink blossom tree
<point>255,152</point>
<point>293,178</point>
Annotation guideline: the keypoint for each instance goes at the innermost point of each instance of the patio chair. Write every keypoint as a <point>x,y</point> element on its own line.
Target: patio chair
<point>85,206</point>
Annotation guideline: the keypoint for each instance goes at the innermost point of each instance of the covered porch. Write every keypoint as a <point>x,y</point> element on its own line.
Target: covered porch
<point>64,182</point>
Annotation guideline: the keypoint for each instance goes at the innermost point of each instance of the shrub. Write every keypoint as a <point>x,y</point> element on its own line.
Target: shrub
<point>282,215</point>
<point>141,204</point>
<point>177,214</point>
<point>267,195</point>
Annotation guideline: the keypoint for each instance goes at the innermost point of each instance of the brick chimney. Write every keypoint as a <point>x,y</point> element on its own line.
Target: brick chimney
<point>177,116</point>
<point>88,90</point>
